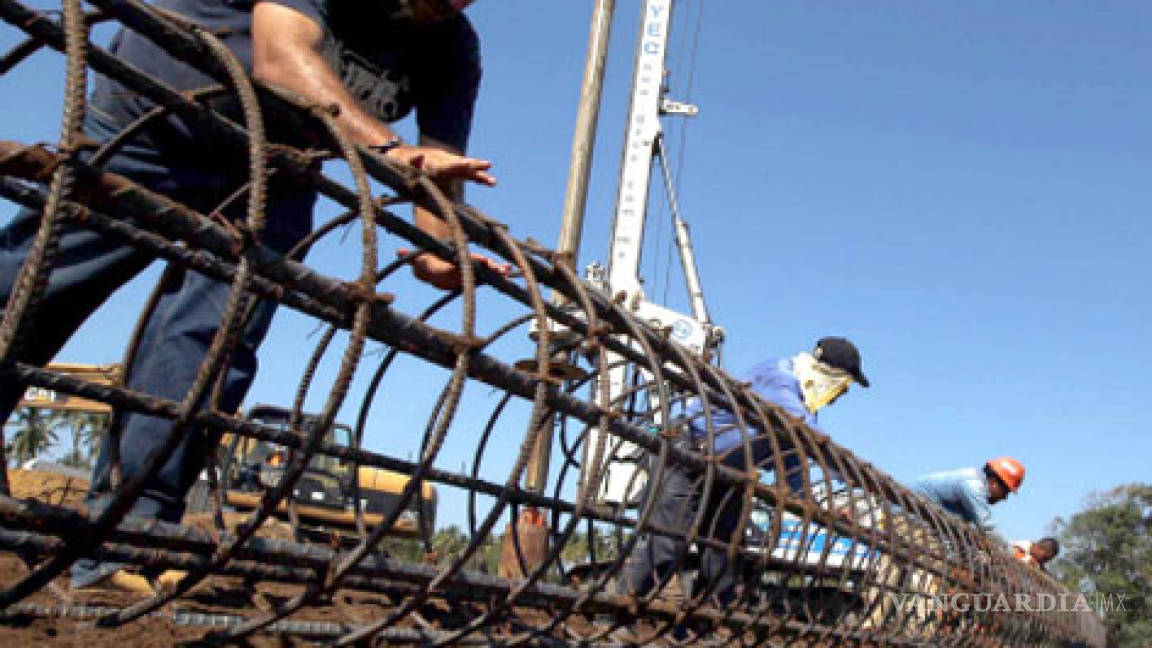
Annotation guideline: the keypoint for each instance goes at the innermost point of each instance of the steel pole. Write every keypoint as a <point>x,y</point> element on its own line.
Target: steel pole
<point>584,138</point>
<point>531,527</point>
<point>576,196</point>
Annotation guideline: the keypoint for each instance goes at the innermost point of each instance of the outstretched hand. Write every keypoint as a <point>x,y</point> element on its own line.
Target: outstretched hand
<point>440,164</point>
<point>445,275</point>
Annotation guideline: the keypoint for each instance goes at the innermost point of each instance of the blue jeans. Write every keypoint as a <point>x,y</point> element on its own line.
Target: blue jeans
<point>90,266</point>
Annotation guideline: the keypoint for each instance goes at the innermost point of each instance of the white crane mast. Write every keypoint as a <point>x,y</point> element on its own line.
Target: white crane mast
<point>643,143</point>
<point>639,146</point>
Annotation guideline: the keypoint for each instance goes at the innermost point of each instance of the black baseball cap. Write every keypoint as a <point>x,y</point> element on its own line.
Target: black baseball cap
<point>840,353</point>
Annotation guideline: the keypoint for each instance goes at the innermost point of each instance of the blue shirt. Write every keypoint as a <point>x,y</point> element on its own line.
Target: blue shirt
<point>774,382</point>
<point>962,492</point>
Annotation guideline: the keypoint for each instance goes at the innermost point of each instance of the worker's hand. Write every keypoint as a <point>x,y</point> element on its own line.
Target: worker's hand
<point>445,275</point>
<point>441,165</point>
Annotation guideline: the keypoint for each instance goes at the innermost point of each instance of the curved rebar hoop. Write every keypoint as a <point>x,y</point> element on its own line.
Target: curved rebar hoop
<point>233,321</point>
<point>224,339</point>
<point>519,466</point>
<point>299,461</point>
<point>32,280</point>
<point>827,549</point>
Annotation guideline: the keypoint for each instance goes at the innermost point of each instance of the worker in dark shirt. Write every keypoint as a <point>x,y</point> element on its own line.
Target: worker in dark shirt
<point>377,61</point>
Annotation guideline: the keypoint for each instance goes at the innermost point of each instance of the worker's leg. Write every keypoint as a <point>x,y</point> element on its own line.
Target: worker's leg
<point>655,555</point>
<point>88,266</point>
<point>173,347</point>
<point>721,519</point>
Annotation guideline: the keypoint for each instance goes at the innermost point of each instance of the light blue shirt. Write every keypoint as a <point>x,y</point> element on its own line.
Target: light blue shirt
<point>962,492</point>
<point>774,382</point>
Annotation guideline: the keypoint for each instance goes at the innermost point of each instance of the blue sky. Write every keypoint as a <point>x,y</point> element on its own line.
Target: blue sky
<point>961,187</point>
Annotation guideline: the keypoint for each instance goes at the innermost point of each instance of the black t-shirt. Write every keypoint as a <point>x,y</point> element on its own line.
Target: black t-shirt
<point>387,62</point>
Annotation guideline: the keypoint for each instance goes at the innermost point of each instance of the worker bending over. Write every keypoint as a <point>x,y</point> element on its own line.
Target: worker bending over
<point>969,493</point>
<point>800,385</point>
<point>1036,553</point>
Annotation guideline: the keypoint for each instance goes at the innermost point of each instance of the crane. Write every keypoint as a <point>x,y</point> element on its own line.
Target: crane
<point>620,479</point>
<point>644,145</point>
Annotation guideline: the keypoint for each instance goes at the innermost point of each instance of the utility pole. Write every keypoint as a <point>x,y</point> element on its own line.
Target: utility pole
<point>584,139</point>
<point>531,527</point>
<point>576,197</point>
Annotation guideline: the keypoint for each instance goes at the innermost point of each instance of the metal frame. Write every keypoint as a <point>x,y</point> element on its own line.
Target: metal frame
<point>918,548</point>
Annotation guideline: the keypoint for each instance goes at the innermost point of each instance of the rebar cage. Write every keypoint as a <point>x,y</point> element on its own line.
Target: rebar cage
<point>850,557</point>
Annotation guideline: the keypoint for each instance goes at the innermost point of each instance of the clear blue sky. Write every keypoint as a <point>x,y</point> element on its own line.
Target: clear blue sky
<point>959,186</point>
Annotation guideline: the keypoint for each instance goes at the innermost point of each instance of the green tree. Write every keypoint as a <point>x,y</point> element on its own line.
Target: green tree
<point>406,549</point>
<point>1106,549</point>
<point>449,541</point>
<point>87,430</point>
<point>579,550</point>
<point>75,459</point>
<point>35,432</point>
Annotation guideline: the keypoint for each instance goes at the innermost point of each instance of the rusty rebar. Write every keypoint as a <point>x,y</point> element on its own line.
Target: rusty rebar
<point>853,557</point>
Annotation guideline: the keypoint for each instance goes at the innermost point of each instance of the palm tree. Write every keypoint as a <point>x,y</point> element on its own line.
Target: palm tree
<point>87,431</point>
<point>94,434</point>
<point>35,433</point>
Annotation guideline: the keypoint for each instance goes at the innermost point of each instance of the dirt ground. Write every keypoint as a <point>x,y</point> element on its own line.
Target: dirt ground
<point>223,596</point>
<point>219,596</point>
<point>47,487</point>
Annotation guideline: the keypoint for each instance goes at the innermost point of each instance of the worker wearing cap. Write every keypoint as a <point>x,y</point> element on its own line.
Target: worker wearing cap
<point>969,493</point>
<point>800,385</point>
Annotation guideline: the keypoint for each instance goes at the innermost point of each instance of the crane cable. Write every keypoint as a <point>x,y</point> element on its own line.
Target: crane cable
<point>682,141</point>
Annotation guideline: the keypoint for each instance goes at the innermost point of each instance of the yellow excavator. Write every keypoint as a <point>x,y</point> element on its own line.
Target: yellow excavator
<point>324,500</point>
<point>108,374</point>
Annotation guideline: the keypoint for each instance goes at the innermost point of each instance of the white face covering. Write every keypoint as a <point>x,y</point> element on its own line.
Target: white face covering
<point>821,384</point>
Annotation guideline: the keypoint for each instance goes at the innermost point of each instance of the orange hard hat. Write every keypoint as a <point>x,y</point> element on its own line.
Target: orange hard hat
<point>1010,471</point>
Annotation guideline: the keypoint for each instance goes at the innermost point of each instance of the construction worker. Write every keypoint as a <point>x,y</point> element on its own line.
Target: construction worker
<point>800,385</point>
<point>969,493</point>
<point>1036,553</point>
<point>375,61</point>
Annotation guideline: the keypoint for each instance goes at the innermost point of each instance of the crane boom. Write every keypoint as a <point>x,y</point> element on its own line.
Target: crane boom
<point>622,474</point>
<point>639,146</point>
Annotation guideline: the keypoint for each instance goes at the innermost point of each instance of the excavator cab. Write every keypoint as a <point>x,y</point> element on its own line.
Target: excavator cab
<point>326,497</point>
<point>325,483</point>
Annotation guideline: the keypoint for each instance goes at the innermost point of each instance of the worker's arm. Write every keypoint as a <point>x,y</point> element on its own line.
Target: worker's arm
<point>776,386</point>
<point>431,268</point>
<point>975,503</point>
<point>287,52</point>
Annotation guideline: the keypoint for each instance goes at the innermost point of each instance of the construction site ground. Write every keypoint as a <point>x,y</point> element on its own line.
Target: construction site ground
<point>220,596</point>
